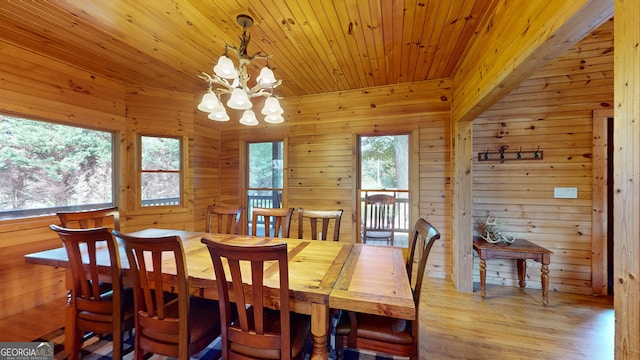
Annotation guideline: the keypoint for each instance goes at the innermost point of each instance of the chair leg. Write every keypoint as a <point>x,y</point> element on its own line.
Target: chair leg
<point>139,353</point>
<point>339,347</point>
<point>117,344</point>
<point>334,315</point>
<point>77,345</point>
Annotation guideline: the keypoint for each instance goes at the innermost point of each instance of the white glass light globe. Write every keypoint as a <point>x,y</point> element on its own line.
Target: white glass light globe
<point>249,118</point>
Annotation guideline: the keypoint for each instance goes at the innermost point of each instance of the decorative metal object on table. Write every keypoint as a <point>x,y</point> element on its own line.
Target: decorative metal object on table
<point>490,232</point>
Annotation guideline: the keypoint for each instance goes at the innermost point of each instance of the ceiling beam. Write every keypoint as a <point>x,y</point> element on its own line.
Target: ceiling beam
<point>518,39</point>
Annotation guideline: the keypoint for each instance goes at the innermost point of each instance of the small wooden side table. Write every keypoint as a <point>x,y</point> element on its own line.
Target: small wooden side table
<point>520,250</point>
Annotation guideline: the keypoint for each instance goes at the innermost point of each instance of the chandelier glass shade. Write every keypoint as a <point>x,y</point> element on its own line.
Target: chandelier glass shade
<point>233,82</point>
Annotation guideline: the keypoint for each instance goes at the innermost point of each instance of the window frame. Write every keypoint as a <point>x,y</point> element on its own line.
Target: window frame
<point>413,181</point>
<point>8,215</point>
<point>244,190</point>
<point>139,171</point>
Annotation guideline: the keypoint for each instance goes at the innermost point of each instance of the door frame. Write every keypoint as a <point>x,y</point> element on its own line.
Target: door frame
<point>600,213</point>
<point>413,181</point>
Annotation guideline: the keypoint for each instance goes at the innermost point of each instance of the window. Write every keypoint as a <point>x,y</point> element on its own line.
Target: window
<point>384,169</point>
<point>46,168</point>
<point>265,178</point>
<point>160,171</point>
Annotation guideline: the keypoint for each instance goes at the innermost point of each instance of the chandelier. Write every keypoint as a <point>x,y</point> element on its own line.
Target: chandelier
<point>227,79</point>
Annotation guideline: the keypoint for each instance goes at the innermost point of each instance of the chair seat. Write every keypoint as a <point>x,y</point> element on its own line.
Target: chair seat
<point>200,326</point>
<point>206,313</point>
<point>380,328</point>
<point>300,327</point>
<point>104,286</point>
<point>91,312</point>
<point>378,234</point>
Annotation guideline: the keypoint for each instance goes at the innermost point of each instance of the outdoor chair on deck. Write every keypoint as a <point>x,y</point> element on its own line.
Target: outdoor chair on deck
<point>386,334</point>
<point>172,324</point>
<point>281,221</point>
<point>96,311</point>
<point>379,219</point>
<point>258,332</point>
<point>325,217</point>
<point>227,218</point>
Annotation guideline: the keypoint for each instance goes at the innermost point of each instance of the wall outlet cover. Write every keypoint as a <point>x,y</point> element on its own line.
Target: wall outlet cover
<point>565,193</point>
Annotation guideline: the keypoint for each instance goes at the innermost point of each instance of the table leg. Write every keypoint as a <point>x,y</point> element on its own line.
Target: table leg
<point>522,272</point>
<point>545,284</point>
<point>319,325</point>
<point>483,277</point>
<point>70,316</point>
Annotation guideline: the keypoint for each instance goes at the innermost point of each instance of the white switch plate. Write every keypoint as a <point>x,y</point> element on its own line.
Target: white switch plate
<point>565,193</point>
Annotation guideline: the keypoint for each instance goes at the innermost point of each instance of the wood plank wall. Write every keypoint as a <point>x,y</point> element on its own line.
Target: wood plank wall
<point>37,87</point>
<point>320,134</point>
<point>626,172</point>
<point>552,110</point>
<point>162,113</point>
<point>557,102</point>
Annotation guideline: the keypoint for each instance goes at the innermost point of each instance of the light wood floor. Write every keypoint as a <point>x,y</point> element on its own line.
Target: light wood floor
<point>510,323</point>
<point>33,323</point>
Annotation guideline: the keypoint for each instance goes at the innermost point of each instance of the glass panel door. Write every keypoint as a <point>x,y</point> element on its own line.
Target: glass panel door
<point>266,174</point>
<point>384,170</point>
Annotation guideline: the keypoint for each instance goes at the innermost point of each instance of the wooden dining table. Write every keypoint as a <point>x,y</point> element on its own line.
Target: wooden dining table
<point>322,275</point>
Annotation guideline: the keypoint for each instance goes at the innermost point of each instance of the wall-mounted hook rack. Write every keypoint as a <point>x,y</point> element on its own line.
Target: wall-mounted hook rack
<point>502,155</point>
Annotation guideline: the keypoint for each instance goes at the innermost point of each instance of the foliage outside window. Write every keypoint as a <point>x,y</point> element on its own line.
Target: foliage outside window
<point>266,174</point>
<point>384,162</point>
<point>46,167</point>
<point>160,171</point>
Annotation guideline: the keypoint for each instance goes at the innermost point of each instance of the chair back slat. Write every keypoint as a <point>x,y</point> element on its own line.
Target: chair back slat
<point>84,271</point>
<point>108,217</point>
<point>227,219</point>
<point>256,322</point>
<point>323,216</point>
<point>423,237</point>
<point>422,234</point>
<point>281,221</point>
<point>159,306</point>
<point>98,307</point>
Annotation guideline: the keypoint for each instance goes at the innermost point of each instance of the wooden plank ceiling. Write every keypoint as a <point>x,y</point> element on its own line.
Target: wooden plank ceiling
<point>315,46</point>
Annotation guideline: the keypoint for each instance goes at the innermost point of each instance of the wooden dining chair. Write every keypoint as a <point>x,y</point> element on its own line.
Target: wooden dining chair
<point>384,334</point>
<point>258,332</point>
<point>325,217</point>
<point>108,217</point>
<point>87,219</point>
<point>170,322</point>
<point>227,218</point>
<point>281,221</point>
<point>96,311</point>
<point>422,232</point>
<point>379,216</point>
